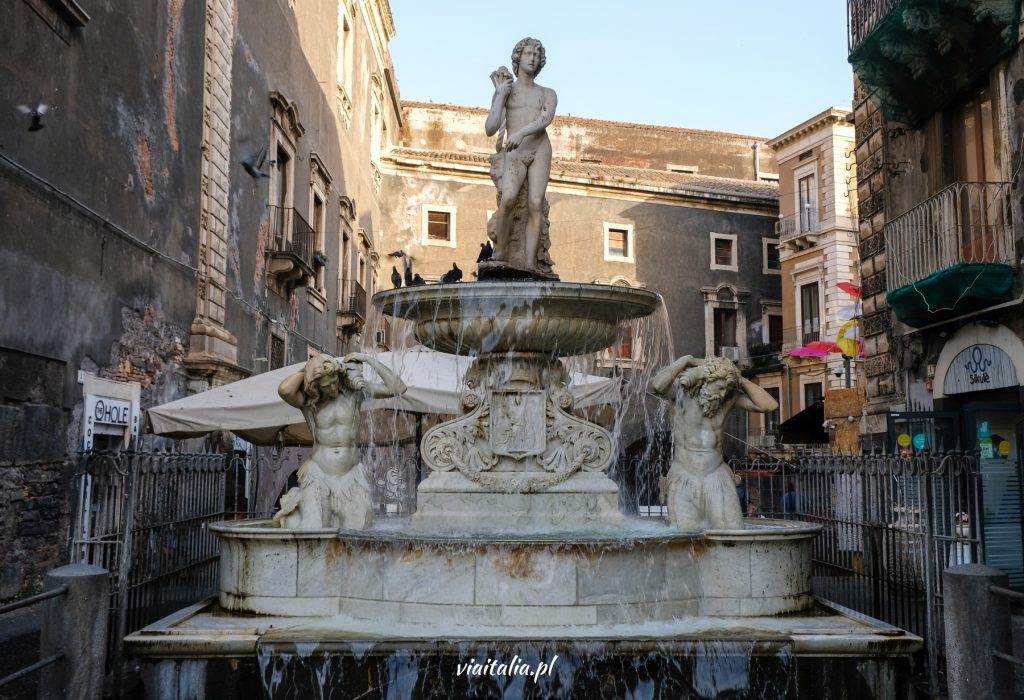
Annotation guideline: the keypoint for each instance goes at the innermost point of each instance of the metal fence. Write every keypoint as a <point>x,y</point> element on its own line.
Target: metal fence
<point>143,516</point>
<point>890,523</point>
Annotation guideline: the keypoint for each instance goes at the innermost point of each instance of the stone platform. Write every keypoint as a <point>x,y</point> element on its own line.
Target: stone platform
<point>825,652</point>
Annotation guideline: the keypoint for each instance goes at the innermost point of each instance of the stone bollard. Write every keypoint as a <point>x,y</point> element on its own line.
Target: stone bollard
<point>977,623</point>
<point>75,624</point>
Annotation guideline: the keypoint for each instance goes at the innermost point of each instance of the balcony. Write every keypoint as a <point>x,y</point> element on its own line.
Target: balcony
<point>351,307</point>
<point>916,55</point>
<point>793,338</point>
<point>951,254</point>
<point>290,247</point>
<point>799,230</point>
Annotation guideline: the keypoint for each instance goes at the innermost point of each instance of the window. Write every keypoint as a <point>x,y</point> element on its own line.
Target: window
<point>277,351</point>
<point>344,49</point>
<point>723,252</point>
<point>623,349</point>
<point>807,204</point>
<point>725,331</point>
<point>975,159</point>
<point>438,225</point>
<point>774,328</point>
<point>318,222</point>
<point>812,393</point>
<point>688,169</point>
<point>772,420</point>
<point>810,313</point>
<point>618,242</point>
<point>771,264</point>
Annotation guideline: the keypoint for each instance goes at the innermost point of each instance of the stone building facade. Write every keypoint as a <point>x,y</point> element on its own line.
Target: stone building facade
<point>938,134</point>
<point>200,204</point>
<point>818,265</point>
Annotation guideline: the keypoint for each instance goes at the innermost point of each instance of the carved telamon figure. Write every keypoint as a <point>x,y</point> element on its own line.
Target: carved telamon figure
<point>701,494</point>
<point>521,111</point>
<point>333,489</point>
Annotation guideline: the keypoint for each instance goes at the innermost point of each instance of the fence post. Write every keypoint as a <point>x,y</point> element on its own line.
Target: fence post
<point>75,624</point>
<point>977,623</point>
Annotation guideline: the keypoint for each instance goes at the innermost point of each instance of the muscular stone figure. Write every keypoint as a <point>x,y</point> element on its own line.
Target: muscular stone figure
<point>333,490</point>
<point>701,492</point>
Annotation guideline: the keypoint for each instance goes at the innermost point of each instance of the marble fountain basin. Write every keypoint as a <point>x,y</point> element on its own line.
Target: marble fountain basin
<point>644,572</point>
<point>554,318</point>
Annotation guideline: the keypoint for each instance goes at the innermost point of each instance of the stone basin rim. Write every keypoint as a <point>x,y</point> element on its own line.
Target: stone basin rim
<point>400,302</point>
<point>762,530</point>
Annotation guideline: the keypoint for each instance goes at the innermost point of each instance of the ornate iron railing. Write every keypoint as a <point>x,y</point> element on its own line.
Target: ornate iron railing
<point>862,16</point>
<point>351,298</point>
<point>967,222</point>
<point>796,224</point>
<point>290,233</point>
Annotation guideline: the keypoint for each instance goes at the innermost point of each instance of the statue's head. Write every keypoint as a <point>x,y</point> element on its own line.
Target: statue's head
<point>517,53</point>
<point>711,383</point>
<point>320,378</point>
<point>352,375</point>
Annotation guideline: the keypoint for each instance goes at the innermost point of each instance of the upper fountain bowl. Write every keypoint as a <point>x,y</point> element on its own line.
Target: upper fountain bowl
<point>556,318</point>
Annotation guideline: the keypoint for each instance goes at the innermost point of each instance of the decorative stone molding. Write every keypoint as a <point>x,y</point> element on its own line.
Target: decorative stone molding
<point>517,435</point>
<point>286,116</point>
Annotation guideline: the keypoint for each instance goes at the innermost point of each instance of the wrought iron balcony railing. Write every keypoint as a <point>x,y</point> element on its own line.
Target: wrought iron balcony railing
<point>351,298</point>
<point>967,222</point>
<point>290,233</point>
<point>801,335</point>
<point>797,224</point>
<point>862,16</point>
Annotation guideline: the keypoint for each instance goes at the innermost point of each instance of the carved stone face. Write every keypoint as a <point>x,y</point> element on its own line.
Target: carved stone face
<point>353,373</point>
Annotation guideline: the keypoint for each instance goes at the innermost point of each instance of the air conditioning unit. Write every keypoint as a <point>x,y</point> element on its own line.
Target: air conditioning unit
<point>766,441</point>
<point>730,352</point>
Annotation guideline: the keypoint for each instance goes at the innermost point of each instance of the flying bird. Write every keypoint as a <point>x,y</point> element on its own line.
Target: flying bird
<point>37,115</point>
<point>396,277</point>
<point>417,281</point>
<point>397,254</point>
<point>453,275</point>
<point>253,163</point>
<point>486,251</point>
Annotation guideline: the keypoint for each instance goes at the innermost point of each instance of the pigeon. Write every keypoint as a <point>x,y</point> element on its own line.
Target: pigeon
<point>417,281</point>
<point>397,254</point>
<point>36,114</point>
<point>252,162</point>
<point>453,275</point>
<point>408,272</point>
<point>486,251</point>
<point>396,278</point>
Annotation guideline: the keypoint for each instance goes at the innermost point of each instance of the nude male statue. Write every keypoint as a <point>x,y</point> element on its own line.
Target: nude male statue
<point>701,492</point>
<point>526,109</point>
<point>333,489</point>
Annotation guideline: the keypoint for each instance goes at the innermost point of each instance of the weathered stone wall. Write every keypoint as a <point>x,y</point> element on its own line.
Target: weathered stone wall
<point>444,127</point>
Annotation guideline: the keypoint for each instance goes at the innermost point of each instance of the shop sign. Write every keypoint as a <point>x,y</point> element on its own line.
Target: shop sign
<point>979,368</point>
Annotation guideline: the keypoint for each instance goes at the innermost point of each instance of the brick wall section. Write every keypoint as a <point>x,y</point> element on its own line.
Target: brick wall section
<point>876,325</point>
<point>33,510</point>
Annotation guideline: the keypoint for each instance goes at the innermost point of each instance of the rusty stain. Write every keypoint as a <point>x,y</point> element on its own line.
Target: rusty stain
<point>335,551</point>
<point>411,555</point>
<point>145,164</point>
<point>293,310</point>
<point>518,563</point>
<point>174,8</point>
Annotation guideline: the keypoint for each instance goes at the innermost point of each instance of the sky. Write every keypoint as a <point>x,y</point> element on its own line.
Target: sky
<point>751,67</point>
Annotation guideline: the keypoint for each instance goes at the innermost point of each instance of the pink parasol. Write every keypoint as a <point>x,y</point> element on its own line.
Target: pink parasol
<point>824,346</point>
<point>806,351</point>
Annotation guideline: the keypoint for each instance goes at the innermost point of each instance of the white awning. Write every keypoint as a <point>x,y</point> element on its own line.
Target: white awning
<point>252,409</point>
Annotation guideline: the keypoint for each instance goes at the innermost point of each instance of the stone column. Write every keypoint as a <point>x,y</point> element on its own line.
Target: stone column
<point>977,623</point>
<point>75,624</point>
<point>213,350</point>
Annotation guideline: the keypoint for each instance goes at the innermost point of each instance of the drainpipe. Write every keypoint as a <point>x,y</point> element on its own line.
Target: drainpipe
<point>756,148</point>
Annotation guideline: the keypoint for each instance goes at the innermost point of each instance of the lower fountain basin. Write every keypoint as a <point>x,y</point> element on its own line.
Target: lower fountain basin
<point>643,572</point>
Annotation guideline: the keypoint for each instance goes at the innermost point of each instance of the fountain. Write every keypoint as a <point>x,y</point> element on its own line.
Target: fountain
<point>517,549</point>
